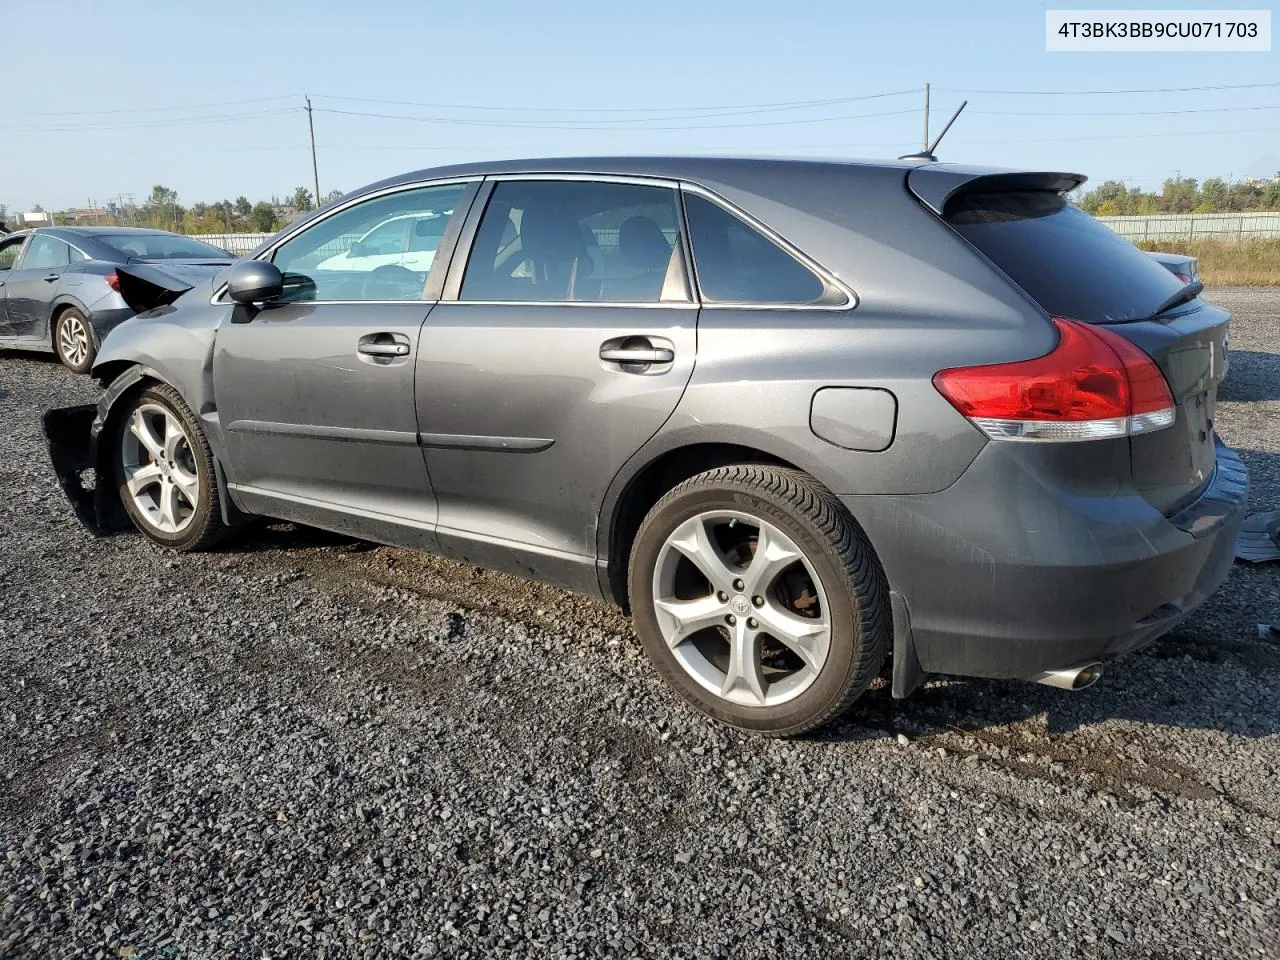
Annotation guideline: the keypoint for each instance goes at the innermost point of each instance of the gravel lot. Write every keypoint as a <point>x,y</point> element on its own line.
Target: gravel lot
<point>307,746</point>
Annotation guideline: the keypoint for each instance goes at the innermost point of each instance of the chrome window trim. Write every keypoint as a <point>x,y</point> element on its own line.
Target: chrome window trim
<point>269,252</point>
<point>633,305</point>
<point>637,181</point>
<point>825,275</point>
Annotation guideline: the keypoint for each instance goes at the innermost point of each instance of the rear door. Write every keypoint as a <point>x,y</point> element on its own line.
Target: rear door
<point>315,391</point>
<point>1075,267</point>
<point>32,286</point>
<point>564,341</point>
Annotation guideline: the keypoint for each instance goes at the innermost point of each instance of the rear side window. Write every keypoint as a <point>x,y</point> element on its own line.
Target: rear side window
<point>735,263</point>
<point>578,241</point>
<point>45,253</point>
<point>1069,263</point>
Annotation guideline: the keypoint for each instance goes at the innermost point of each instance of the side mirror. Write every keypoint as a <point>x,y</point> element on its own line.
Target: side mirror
<point>253,281</point>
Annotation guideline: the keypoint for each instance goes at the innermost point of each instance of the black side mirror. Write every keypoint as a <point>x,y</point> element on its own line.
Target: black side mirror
<point>253,281</point>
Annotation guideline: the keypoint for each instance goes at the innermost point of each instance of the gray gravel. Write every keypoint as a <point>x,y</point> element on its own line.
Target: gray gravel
<point>305,746</point>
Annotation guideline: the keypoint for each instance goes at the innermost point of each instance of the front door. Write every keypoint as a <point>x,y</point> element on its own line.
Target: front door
<point>569,343</point>
<point>10,250</point>
<point>315,391</point>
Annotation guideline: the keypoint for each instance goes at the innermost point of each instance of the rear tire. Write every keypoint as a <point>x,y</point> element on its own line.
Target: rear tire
<point>759,598</point>
<point>165,473</point>
<point>73,340</point>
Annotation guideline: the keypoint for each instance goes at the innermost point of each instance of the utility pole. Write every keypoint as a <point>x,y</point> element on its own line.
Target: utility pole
<point>315,171</point>
<point>926,118</point>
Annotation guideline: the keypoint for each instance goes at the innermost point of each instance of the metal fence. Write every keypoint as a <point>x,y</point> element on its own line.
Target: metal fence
<point>239,244</point>
<point>1196,226</point>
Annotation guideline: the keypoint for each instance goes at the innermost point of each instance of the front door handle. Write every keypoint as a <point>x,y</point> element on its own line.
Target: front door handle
<point>50,279</point>
<point>385,349</point>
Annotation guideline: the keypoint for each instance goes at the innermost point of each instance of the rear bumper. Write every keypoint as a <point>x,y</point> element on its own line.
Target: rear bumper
<point>1006,575</point>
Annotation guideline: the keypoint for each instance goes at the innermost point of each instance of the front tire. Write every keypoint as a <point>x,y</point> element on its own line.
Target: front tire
<point>165,473</point>
<point>758,597</point>
<point>73,340</point>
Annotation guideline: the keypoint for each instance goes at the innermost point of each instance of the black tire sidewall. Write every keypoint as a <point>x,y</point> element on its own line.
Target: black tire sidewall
<point>833,682</point>
<point>204,515</point>
<point>57,345</point>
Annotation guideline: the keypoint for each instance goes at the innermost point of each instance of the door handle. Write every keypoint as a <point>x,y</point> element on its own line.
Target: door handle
<point>646,354</point>
<point>50,279</point>
<point>374,349</point>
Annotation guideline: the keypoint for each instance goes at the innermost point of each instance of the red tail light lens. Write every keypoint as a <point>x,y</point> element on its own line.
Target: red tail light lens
<point>1184,277</point>
<point>113,281</point>
<point>1093,384</point>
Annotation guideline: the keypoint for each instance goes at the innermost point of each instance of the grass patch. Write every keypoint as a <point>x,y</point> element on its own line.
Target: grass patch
<point>1229,263</point>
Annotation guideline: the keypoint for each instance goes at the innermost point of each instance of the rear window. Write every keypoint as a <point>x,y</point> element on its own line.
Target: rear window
<point>161,246</point>
<point>1069,263</point>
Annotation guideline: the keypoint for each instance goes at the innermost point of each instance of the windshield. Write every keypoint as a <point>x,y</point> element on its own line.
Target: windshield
<point>161,246</point>
<point>1069,263</point>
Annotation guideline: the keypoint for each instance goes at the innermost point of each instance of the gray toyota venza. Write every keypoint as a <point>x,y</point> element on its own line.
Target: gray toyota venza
<point>798,417</point>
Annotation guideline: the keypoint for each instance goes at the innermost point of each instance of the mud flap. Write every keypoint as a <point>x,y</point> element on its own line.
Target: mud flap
<point>907,674</point>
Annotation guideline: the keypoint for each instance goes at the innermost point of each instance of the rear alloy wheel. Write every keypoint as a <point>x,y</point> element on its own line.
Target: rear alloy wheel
<point>74,341</point>
<point>166,473</point>
<point>757,596</point>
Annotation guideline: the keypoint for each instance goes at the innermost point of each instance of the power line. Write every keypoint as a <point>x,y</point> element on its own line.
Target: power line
<point>1119,113</point>
<point>191,106</point>
<point>744,107</point>
<point>1090,93</point>
<point>1130,136</point>
<point>539,125</point>
<point>144,124</point>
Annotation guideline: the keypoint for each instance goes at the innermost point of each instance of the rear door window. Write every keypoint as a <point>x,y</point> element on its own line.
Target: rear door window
<point>1069,263</point>
<point>735,263</point>
<point>46,253</point>
<point>577,241</point>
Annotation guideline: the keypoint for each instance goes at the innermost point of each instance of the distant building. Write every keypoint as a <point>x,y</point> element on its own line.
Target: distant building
<point>88,214</point>
<point>37,217</point>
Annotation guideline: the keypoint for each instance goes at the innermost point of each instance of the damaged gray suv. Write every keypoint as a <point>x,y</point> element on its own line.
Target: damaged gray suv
<point>798,417</point>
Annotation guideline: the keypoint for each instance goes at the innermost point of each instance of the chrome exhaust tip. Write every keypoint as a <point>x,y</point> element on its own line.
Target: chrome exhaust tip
<point>1072,678</point>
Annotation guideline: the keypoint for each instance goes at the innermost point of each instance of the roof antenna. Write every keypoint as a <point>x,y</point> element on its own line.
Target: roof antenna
<point>927,153</point>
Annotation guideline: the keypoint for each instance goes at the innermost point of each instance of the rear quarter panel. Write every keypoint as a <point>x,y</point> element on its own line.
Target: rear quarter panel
<point>926,301</point>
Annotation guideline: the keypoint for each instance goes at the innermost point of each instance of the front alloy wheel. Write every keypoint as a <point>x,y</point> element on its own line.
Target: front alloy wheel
<point>160,468</point>
<point>165,471</point>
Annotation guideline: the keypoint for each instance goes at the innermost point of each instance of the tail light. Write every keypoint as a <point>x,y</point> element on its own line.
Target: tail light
<point>1094,384</point>
<point>1184,277</point>
<point>113,281</point>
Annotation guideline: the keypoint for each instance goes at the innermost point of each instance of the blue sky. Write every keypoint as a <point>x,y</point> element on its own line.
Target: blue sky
<point>112,98</point>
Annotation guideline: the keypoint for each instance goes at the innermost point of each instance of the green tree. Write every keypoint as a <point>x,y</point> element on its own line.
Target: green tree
<point>263,217</point>
<point>1271,196</point>
<point>1179,195</point>
<point>301,199</point>
<point>1213,196</point>
<point>243,206</point>
<point>1108,191</point>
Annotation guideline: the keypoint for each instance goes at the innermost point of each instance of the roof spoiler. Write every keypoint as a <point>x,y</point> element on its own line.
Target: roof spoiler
<point>935,184</point>
<point>144,288</point>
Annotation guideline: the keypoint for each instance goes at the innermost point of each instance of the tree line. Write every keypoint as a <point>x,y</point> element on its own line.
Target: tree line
<point>1182,195</point>
<point>163,211</point>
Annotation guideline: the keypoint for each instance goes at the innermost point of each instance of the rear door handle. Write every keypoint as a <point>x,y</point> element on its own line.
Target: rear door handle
<point>638,353</point>
<point>50,279</point>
